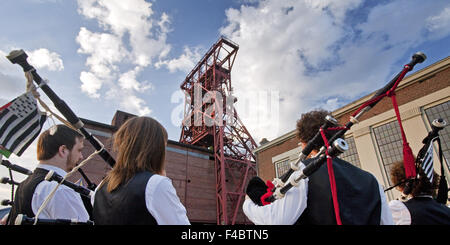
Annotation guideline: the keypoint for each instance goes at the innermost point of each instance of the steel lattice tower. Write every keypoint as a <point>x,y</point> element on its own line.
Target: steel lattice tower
<point>210,120</point>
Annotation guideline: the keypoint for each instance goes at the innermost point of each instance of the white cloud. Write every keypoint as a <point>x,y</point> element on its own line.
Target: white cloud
<point>90,84</point>
<point>131,35</point>
<point>184,63</point>
<point>439,24</point>
<point>104,49</point>
<point>133,103</point>
<point>332,104</point>
<point>43,58</point>
<point>134,18</point>
<point>12,77</point>
<point>128,81</point>
<point>310,53</point>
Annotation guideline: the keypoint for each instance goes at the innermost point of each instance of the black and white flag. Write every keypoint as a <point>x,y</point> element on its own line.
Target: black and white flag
<point>427,162</point>
<point>20,123</point>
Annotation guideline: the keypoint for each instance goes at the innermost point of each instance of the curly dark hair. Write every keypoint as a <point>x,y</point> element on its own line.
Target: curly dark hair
<point>308,125</point>
<point>421,186</point>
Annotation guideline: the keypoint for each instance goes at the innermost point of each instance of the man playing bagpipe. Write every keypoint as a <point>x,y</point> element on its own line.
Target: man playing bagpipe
<point>58,149</point>
<point>361,200</point>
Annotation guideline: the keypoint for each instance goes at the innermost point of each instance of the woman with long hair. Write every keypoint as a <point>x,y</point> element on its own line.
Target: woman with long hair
<point>136,190</point>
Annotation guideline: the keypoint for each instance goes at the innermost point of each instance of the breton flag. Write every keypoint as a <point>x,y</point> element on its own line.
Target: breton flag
<point>427,162</point>
<point>20,123</point>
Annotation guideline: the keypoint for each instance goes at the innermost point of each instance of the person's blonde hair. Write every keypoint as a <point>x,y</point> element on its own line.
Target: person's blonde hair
<point>140,144</point>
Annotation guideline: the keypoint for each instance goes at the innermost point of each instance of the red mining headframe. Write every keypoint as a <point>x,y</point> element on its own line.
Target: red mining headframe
<point>210,120</point>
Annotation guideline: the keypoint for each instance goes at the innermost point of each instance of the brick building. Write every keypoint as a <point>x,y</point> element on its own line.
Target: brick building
<point>375,143</point>
<point>190,168</point>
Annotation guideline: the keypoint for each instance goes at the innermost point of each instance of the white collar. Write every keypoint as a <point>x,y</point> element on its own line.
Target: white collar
<point>57,170</point>
<point>429,196</point>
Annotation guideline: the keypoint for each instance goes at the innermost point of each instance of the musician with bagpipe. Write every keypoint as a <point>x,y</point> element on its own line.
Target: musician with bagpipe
<point>71,120</point>
<point>59,150</point>
<point>159,203</point>
<point>361,199</point>
<point>356,196</point>
<point>421,203</point>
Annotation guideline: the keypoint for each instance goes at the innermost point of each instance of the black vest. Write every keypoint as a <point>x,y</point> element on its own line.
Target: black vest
<point>426,211</point>
<point>358,196</point>
<point>24,195</point>
<point>125,205</point>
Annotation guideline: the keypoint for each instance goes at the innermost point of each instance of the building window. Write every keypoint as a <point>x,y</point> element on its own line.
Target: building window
<point>442,111</point>
<point>351,155</point>
<point>390,145</point>
<point>281,167</point>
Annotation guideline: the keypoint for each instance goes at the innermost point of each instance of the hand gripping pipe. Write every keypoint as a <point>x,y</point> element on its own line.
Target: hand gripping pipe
<point>329,121</point>
<point>339,146</point>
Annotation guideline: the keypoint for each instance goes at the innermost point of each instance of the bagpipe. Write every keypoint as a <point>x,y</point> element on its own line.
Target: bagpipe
<point>12,167</point>
<point>424,164</point>
<point>20,57</point>
<point>25,220</point>
<point>52,176</point>
<point>15,167</point>
<point>84,192</point>
<point>263,194</point>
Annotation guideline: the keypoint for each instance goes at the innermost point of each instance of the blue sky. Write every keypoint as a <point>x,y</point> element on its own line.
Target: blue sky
<point>103,56</point>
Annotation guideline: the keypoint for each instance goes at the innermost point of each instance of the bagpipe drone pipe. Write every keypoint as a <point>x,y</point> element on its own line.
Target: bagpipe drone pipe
<point>51,176</point>
<point>20,57</point>
<point>424,164</point>
<point>339,146</point>
<point>12,167</point>
<point>263,194</point>
<point>84,192</point>
<point>25,220</point>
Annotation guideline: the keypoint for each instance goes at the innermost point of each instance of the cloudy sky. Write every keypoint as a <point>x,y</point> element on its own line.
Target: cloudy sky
<point>294,55</point>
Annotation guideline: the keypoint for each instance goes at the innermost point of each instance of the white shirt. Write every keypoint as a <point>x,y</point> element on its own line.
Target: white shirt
<point>400,213</point>
<point>65,204</point>
<point>287,210</point>
<point>162,202</point>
